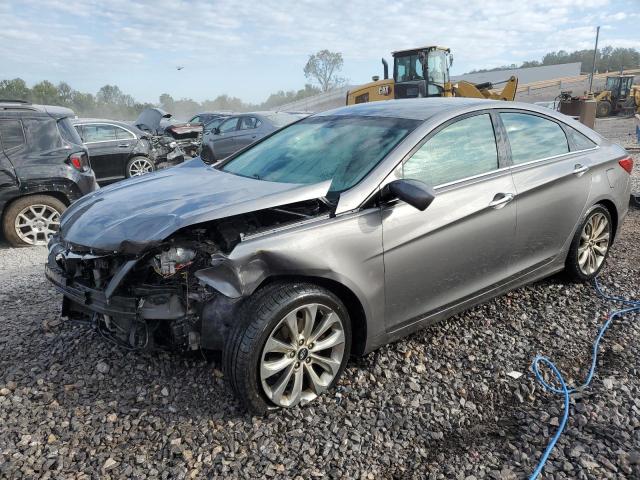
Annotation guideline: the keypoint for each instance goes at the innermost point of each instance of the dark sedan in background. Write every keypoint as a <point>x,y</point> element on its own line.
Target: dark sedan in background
<point>117,150</point>
<point>223,138</point>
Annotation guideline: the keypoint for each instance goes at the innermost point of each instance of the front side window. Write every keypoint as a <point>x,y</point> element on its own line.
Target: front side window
<point>99,133</point>
<point>533,138</point>
<point>408,68</point>
<point>460,150</point>
<point>122,134</point>
<point>229,125</point>
<point>437,67</point>
<point>11,134</point>
<point>342,148</point>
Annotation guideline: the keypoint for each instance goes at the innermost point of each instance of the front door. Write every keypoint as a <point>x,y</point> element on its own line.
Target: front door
<point>552,186</point>
<point>224,141</point>
<point>461,244</point>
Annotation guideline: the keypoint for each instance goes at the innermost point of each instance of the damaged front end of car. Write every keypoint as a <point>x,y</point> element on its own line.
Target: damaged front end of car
<point>181,293</point>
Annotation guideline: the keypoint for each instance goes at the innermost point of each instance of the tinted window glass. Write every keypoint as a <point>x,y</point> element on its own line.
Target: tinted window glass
<point>229,125</point>
<point>11,134</point>
<point>99,133</point>
<point>123,134</point>
<point>579,141</point>
<point>532,138</point>
<point>42,134</point>
<point>68,132</point>
<point>463,149</point>
<point>341,148</point>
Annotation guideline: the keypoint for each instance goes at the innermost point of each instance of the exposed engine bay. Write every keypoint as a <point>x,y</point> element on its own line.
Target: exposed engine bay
<point>169,138</point>
<point>155,298</point>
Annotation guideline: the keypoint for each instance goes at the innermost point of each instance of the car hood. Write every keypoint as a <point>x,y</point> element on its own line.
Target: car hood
<point>149,119</point>
<point>134,214</point>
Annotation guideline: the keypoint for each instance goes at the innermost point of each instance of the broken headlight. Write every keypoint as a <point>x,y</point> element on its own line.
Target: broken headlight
<point>170,261</point>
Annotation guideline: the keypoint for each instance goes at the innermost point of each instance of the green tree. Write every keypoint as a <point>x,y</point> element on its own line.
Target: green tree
<point>15,89</point>
<point>45,92</point>
<point>323,67</point>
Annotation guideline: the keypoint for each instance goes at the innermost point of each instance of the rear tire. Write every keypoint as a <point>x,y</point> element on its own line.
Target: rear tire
<point>590,245</point>
<point>31,220</point>
<point>261,353</point>
<point>138,166</point>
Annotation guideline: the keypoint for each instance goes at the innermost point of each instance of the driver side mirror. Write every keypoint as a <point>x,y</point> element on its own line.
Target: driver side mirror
<point>215,131</point>
<point>414,192</point>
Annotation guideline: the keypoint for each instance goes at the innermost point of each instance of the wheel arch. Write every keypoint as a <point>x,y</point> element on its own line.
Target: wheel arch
<point>354,306</point>
<point>613,212</point>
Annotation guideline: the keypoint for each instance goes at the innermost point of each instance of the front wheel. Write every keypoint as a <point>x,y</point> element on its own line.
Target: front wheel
<point>139,166</point>
<point>590,246</point>
<point>603,109</point>
<point>290,345</point>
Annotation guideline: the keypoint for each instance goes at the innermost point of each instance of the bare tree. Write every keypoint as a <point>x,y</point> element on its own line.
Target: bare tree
<point>323,67</point>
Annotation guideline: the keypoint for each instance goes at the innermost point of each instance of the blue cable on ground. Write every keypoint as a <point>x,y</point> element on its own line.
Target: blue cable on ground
<point>631,306</point>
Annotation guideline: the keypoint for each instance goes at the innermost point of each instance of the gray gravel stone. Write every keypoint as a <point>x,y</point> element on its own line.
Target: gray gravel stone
<point>436,405</point>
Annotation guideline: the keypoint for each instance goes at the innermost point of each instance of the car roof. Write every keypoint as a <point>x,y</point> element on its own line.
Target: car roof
<point>410,108</point>
<point>24,106</point>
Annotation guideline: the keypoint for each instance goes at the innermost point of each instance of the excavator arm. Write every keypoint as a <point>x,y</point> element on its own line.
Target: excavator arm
<point>485,90</point>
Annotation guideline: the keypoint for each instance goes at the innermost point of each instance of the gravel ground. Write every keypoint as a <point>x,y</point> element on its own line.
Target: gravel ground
<point>437,405</point>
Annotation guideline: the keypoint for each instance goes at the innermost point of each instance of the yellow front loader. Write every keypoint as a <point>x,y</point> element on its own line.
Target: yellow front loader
<point>424,72</point>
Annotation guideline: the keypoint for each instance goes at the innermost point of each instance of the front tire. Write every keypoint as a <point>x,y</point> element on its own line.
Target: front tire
<point>138,166</point>
<point>603,109</point>
<point>590,245</point>
<point>290,345</point>
<point>31,220</point>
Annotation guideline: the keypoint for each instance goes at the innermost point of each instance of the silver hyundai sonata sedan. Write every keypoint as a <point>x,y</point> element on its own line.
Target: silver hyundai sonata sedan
<point>339,233</point>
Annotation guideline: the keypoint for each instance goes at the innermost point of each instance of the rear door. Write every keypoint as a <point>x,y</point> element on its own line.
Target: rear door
<point>224,143</point>
<point>106,154</point>
<point>552,186</point>
<point>461,244</point>
<point>12,143</point>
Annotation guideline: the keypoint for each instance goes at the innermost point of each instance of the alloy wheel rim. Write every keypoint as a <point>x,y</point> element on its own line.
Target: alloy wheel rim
<point>35,224</point>
<point>140,167</point>
<point>302,355</point>
<point>594,243</point>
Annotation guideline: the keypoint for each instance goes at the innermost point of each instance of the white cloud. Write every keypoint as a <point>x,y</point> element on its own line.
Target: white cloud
<point>121,35</point>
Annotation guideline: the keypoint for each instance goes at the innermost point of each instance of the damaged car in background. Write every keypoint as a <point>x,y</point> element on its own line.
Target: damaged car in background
<point>340,233</point>
<point>170,139</point>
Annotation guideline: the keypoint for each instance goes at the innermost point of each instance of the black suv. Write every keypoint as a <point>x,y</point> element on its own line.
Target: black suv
<point>43,168</point>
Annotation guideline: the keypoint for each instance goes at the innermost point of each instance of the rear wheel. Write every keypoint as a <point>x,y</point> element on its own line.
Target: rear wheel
<point>603,109</point>
<point>32,220</point>
<point>138,166</point>
<point>291,344</point>
<point>590,246</point>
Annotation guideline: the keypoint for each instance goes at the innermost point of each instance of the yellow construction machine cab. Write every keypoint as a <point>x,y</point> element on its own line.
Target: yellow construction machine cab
<point>418,72</point>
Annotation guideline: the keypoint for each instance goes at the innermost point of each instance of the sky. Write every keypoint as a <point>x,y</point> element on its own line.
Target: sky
<point>250,49</point>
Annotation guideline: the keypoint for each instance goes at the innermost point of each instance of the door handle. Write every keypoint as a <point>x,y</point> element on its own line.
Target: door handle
<point>501,199</point>
<point>123,145</point>
<point>579,169</point>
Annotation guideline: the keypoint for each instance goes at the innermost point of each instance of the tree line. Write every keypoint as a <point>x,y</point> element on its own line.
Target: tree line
<point>609,59</point>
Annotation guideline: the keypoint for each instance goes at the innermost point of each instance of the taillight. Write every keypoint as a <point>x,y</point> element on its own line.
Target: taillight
<point>627,164</point>
<point>79,161</point>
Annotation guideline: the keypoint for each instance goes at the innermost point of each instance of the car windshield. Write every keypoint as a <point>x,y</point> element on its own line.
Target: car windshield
<point>339,148</point>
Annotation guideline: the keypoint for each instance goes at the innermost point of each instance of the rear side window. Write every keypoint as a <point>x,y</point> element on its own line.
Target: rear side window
<point>68,132</point>
<point>11,134</point>
<point>42,134</point>
<point>248,123</point>
<point>533,138</point>
<point>99,133</point>
<point>460,150</point>
<point>123,134</point>
<point>578,141</point>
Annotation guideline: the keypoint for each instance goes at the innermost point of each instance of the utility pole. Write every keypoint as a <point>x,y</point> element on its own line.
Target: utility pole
<point>593,67</point>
